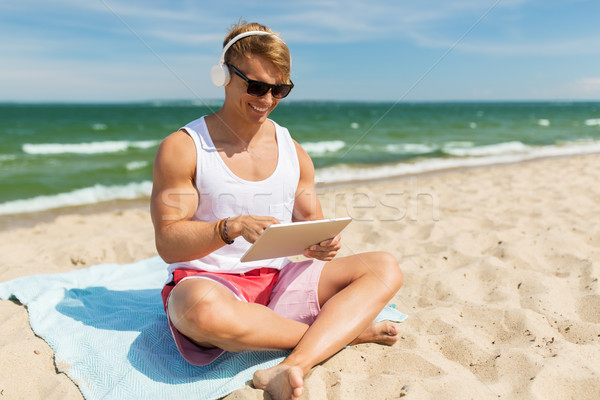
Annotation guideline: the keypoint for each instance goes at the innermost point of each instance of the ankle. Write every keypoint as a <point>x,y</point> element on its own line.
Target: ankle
<point>292,361</point>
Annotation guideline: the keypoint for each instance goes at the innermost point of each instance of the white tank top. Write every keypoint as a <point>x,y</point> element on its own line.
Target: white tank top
<point>223,194</point>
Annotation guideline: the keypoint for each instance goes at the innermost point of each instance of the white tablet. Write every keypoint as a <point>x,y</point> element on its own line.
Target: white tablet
<point>282,240</point>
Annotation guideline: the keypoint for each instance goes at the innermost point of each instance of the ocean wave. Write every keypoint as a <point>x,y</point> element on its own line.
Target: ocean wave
<point>396,148</point>
<point>592,122</point>
<point>543,122</point>
<point>7,157</point>
<point>85,196</point>
<point>134,165</point>
<point>454,148</point>
<point>324,147</point>
<point>111,146</point>
<point>99,127</point>
<point>347,173</point>
<point>467,149</point>
<point>411,148</point>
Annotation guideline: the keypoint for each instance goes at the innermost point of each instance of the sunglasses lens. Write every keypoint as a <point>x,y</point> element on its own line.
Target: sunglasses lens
<point>257,89</point>
<point>279,92</point>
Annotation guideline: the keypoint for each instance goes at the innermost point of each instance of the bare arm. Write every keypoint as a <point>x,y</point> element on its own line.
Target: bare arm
<point>175,200</point>
<point>307,207</point>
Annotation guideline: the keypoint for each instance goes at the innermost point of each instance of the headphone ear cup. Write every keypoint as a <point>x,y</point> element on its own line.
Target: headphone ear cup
<point>220,75</point>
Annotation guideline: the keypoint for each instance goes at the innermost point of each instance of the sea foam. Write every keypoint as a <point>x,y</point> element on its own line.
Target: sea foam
<point>135,165</point>
<point>411,148</point>
<point>79,197</point>
<point>592,122</point>
<point>476,156</point>
<point>112,146</point>
<point>463,149</point>
<point>7,157</point>
<point>324,147</point>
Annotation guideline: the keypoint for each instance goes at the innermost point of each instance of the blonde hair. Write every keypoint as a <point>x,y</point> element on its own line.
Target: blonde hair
<point>270,47</point>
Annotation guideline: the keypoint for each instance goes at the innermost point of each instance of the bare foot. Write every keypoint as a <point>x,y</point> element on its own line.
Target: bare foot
<point>282,382</point>
<point>383,332</point>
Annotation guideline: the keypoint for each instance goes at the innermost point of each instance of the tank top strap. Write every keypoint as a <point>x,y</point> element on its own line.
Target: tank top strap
<point>198,131</point>
<point>287,151</point>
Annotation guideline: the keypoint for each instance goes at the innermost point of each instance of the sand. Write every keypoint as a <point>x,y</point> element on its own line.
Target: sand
<point>501,285</point>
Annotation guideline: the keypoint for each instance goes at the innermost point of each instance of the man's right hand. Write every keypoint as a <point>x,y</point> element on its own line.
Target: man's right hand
<point>250,227</point>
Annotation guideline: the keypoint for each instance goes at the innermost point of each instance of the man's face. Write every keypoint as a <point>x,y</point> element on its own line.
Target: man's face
<point>251,108</point>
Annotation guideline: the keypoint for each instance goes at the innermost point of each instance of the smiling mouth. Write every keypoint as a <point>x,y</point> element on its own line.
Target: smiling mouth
<point>262,110</point>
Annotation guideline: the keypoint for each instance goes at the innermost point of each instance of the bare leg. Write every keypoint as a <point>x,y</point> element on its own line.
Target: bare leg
<point>352,291</point>
<point>207,313</point>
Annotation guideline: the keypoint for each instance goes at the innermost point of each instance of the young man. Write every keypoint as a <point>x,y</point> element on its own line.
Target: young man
<point>218,183</point>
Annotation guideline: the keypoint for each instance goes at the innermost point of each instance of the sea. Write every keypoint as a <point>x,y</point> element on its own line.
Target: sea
<point>55,156</point>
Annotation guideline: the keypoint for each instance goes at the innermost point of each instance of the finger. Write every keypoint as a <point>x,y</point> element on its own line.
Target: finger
<point>265,222</point>
<point>320,255</point>
<point>326,243</point>
<point>331,242</point>
<point>325,247</point>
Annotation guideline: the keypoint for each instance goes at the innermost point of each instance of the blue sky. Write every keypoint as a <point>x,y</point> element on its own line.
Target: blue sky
<point>377,50</point>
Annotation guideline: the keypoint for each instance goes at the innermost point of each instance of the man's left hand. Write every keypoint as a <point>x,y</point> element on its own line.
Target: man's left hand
<point>326,250</point>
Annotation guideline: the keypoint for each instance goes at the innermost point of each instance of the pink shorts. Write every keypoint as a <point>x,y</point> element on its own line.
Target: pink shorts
<point>291,292</point>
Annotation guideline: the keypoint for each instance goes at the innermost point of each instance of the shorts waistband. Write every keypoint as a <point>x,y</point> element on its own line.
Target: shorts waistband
<point>259,272</point>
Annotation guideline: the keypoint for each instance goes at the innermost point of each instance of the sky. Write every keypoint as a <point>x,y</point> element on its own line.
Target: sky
<point>357,50</point>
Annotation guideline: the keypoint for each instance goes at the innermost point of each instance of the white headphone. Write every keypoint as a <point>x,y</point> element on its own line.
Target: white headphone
<point>220,73</point>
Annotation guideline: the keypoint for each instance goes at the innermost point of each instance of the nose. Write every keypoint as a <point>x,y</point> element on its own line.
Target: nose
<point>268,98</point>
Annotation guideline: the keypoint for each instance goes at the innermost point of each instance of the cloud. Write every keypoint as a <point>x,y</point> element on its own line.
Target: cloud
<point>499,47</point>
<point>63,43</point>
<point>357,20</point>
<point>587,86</point>
<point>428,23</point>
<point>125,80</point>
<point>187,38</point>
<point>507,27</point>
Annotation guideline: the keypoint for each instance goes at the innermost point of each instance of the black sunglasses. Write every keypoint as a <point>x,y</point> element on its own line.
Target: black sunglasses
<point>258,88</point>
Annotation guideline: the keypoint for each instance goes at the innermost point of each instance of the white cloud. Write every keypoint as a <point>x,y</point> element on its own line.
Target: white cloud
<point>185,76</point>
<point>58,45</point>
<point>428,23</point>
<point>192,39</point>
<point>501,28</point>
<point>587,86</point>
<point>499,47</point>
<point>352,20</point>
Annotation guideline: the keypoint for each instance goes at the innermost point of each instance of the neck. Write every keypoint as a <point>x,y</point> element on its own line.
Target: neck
<point>235,131</point>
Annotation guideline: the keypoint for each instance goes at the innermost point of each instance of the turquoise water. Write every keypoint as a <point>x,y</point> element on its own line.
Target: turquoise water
<point>56,155</point>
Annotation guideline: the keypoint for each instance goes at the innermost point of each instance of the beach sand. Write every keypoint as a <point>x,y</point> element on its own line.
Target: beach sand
<point>501,269</point>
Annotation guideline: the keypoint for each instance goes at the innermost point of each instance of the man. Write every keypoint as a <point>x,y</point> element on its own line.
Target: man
<point>218,183</point>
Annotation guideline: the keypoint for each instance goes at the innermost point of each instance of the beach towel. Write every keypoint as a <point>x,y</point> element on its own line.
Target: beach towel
<point>109,333</point>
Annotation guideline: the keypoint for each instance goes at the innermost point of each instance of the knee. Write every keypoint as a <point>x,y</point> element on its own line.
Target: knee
<point>389,270</point>
<point>195,317</point>
<point>204,318</point>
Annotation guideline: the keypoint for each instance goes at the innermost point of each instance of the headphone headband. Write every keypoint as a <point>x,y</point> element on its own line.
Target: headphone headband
<point>220,72</point>
<point>238,37</point>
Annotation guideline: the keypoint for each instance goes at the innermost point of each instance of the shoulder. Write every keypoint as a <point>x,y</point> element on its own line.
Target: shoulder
<point>281,130</point>
<point>179,142</point>
<point>176,151</point>
<point>306,163</point>
<point>301,152</point>
<point>303,158</point>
